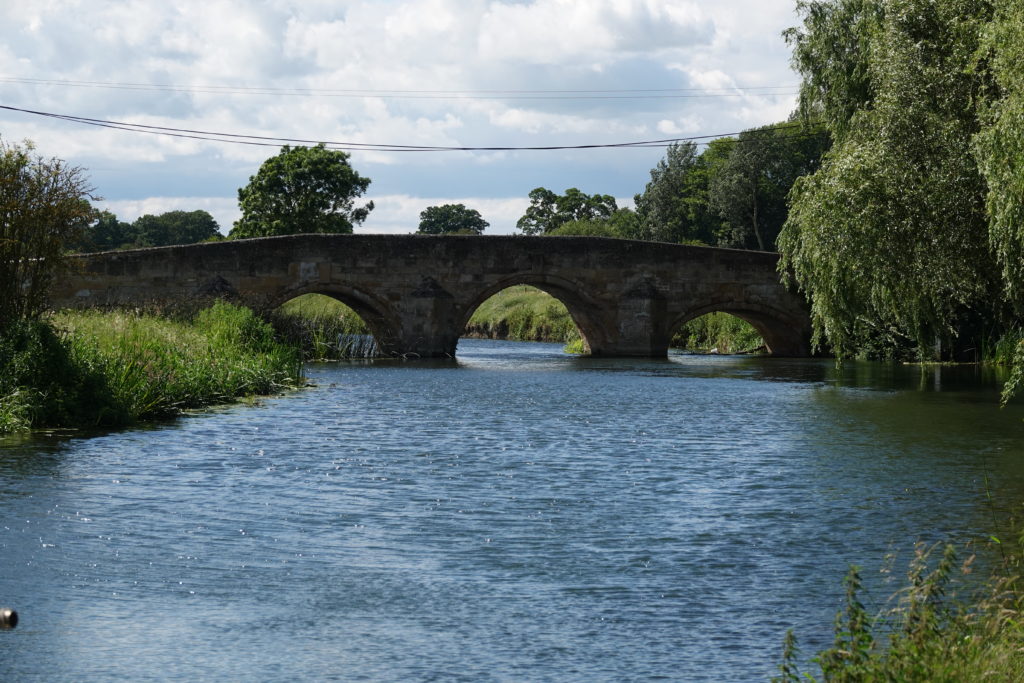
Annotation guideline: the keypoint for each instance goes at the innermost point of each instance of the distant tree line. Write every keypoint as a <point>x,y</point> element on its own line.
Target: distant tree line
<point>105,232</point>
<point>731,194</point>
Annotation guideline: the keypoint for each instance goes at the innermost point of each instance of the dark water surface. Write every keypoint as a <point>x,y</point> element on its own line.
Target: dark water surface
<point>517,515</point>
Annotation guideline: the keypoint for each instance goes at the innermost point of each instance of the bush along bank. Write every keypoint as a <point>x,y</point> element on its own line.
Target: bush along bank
<point>111,369</point>
<point>929,633</point>
<point>522,313</point>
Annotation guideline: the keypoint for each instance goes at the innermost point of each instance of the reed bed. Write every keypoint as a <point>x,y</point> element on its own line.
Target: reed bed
<point>929,632</point>
<point>78,369</point>
<point>719,332</point>
<point>323,329</point>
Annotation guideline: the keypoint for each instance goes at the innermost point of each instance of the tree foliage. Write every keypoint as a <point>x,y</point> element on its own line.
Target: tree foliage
<point>749,187</point>
<point>999,145</point>
<point>831,51</point>
<point>548,210</point>
<point>451,219</point>
<point>302,190</point>
<point>44,206</point>
<point>622,223</point>
<point>174,227</point>
<point>733,194</point>
<point>106,232</point>
<point>674,205</point>
<point>889,238</point>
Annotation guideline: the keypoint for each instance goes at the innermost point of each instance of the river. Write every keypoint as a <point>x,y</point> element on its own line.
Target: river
<point>516,515</point>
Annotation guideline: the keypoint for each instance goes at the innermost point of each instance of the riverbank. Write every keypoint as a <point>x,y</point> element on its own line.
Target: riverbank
<point>929,632</point>
<point>522,313</point>
<point>111,369</point>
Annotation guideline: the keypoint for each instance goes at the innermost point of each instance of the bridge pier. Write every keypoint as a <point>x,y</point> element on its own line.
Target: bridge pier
<point>639,329</point>
<point>429,322</point>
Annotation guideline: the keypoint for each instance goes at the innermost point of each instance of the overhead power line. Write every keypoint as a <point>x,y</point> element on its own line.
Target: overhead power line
<point>273,141</point>
<point>519,94</point>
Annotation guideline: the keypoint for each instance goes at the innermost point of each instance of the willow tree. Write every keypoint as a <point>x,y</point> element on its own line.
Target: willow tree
<point>999,147</point>
<point>889,239</point>
<point>44,208</point>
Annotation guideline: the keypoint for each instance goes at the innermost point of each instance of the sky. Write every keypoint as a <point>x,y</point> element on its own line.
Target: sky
<point>451,73</point>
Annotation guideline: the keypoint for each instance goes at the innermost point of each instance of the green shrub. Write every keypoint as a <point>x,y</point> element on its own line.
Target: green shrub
<point>523,313</point>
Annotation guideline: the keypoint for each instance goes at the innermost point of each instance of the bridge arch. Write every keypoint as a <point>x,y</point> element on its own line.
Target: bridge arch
<point>782,335</point>
<point>382,320</point>
<point>584,311</point>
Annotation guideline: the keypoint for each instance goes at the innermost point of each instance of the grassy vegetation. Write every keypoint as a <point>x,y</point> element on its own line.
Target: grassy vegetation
<point>111,369</point>
<point>721,332</point>
<point>522,313</point>
<point>930,633</point>
<point>529,314</point>
<point>323,328</point>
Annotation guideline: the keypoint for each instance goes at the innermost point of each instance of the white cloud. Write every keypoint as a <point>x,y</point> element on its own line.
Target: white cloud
<point>401,46</point>
<point>557,32</point>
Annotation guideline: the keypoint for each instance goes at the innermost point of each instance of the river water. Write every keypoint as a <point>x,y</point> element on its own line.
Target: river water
<point>516,515</point>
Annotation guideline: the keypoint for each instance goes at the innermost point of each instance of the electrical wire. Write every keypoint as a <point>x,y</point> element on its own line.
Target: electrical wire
<point>273,141</point>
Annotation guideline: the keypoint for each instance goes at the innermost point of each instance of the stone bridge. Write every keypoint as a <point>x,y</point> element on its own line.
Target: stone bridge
<point>416,292</point>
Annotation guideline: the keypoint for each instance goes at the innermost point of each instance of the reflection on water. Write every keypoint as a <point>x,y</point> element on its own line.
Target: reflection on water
<point>516,514</point>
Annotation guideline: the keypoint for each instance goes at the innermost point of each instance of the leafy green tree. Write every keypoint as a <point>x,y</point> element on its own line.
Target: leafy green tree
<point>999,145</point>
<point>675,205</point>
<point>999,148</point>
<point>587,228</point>
<point>302,190</point>
<point>44,208</point>
<point>174,227</point>
<point>451,219</point>
<point>832,53</point>
<point>889,238</point>
<point>623,224</point>
<point>548,211</point>
<point>105,233</point>
<point>749,188</point>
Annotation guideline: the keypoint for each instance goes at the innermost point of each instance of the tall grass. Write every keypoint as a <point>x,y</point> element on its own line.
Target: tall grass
<point>114,368</point>
<point>525,313</point>
<point>323,328</point>
<point>930,633</point>
<point>719,332</point>
<point>522,313</point>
